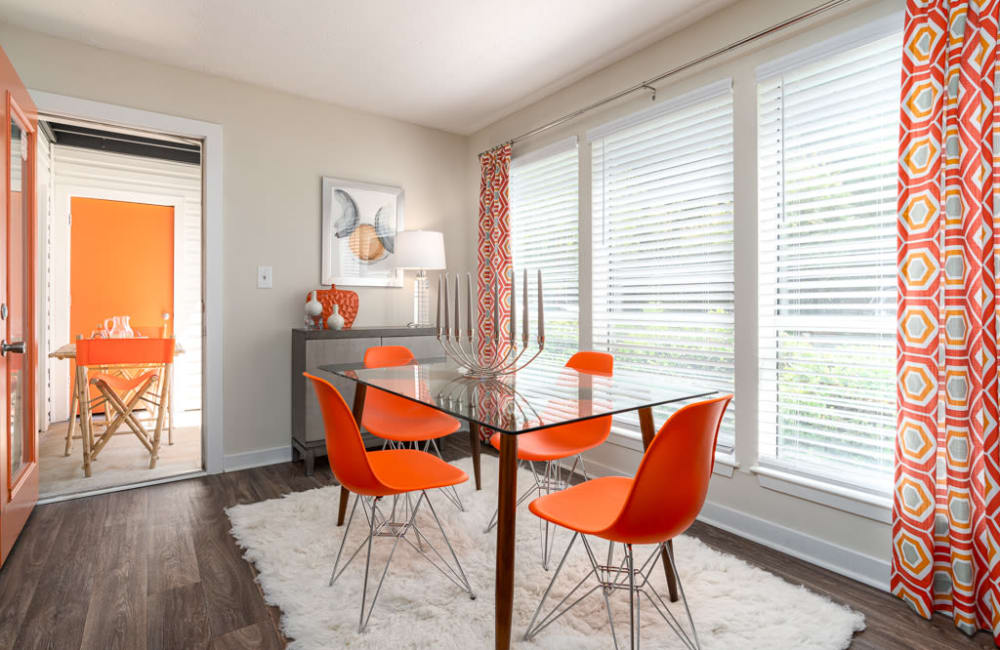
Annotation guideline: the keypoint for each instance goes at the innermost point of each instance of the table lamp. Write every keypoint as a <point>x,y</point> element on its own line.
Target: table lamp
<point>420,250</point>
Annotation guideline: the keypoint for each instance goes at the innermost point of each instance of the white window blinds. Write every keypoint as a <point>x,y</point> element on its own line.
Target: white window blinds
<point>827,133</point>
<point>662,191</point>
<point>544,223</point>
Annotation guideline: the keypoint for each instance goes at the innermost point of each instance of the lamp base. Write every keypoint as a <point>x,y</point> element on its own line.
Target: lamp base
<point>421,301</point>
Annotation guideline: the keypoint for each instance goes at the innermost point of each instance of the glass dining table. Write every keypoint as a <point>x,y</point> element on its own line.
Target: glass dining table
<point>544,394</point>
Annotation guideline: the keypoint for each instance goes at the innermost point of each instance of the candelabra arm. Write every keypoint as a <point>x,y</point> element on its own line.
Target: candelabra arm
<point>469,355</point>
<point>512,362</point>
<point>449,350</point>
<point>528,362</point>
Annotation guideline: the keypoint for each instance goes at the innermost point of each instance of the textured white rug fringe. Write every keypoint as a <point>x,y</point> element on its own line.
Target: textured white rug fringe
<point>292,542</point>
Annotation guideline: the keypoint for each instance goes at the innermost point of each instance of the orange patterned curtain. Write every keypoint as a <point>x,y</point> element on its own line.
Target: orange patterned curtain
<point>494,260</point>
<point>946,505</point>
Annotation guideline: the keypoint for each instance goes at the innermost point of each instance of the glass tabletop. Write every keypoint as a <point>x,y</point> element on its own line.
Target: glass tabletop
<point>539,396</point>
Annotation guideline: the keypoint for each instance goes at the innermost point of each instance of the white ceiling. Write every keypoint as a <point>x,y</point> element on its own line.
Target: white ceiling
<point>456,65</point>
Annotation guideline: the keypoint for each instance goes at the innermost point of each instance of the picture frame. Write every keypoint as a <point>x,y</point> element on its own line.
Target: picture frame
<point>360,222</point>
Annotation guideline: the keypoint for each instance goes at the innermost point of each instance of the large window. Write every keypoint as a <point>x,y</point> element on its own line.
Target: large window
<point>827,133</point>
<point>544,226</point>
<point>662,190</point>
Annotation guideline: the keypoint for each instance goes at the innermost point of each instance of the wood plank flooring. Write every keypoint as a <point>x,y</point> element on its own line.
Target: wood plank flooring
<point>155,568</point>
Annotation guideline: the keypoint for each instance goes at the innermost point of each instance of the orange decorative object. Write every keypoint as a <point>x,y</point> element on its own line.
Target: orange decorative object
<point>346,300</point>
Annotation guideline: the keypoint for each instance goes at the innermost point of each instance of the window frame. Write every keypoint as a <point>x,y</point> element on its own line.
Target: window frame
<point>550,150</point>
<point>808,480</point>
<point>624,426</point>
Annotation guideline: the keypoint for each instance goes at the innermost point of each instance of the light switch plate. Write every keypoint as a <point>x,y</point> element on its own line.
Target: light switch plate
<point>264,277</point>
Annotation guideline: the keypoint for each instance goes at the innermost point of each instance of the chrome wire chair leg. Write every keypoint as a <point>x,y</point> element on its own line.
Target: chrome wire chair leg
<point>375,527</point>
<point>692,641</point>
<point>410,508</point>
<point>343,541</point>
<point>381,526</point>
<point>605,590</point>
<point>680,587</point>
<point>656,600</point>
<point>548,531</point>
<point>633,632</point>
<point>457,576</point>
<point>619,576</point>
<point>555,613</point>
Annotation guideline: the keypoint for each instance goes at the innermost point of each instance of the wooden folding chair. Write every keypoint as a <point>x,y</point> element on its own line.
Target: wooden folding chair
<point>122,395</point>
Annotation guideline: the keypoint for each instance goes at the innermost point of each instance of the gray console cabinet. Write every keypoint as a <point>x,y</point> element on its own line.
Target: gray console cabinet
<point>314,348</point>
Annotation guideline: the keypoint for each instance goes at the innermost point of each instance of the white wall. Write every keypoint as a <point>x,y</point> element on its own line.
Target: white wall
<point>276,148</point>
<point>119,177</point>
<point>834,536</point>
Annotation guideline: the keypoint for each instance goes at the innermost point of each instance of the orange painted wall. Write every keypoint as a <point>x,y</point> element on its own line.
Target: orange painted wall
<point>121,262</point>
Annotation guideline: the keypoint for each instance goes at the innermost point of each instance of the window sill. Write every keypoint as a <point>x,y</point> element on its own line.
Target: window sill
<point>725,463</point>
<point>725,460</point>
<point>857,502</point>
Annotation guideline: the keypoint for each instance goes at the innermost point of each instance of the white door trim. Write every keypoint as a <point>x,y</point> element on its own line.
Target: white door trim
<point>212,252</point>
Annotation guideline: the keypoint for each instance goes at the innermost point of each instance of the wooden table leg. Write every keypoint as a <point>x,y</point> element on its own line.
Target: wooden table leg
<point>648,432</point>
<point>506,511</point>
<point>474,443</point>
<point>73,398</point>
<point>86,440</point>
<point>359,407</point>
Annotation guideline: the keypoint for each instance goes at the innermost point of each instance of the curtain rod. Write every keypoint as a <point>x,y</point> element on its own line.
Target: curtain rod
<point>648,83</point>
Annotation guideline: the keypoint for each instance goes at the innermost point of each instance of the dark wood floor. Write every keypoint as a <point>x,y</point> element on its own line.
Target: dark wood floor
<point>156,568</point>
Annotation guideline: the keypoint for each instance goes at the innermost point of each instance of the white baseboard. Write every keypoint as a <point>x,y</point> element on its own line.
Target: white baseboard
<point>257,458</point>
<point>866,569</point>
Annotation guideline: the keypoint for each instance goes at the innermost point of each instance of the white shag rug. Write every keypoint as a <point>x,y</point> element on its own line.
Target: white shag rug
<point>292,542</point>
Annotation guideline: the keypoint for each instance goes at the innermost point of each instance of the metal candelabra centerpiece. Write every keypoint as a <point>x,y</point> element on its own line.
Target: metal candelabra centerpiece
<point>462,345</point>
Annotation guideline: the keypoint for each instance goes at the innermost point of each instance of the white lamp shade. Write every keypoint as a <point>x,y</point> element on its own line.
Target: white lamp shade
<point>419,249</point>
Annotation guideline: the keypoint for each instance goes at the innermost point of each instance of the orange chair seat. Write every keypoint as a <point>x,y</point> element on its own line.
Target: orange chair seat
<point>589,508</point>
<point>121,384</point>
<point>559,442</point>
<point>409,470</point>
<point>395,418</point>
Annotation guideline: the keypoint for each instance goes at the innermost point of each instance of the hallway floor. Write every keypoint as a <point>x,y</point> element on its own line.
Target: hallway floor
<point>122,462</point>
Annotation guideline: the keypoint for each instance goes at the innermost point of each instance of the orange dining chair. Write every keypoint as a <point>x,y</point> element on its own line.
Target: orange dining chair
<point>660,503</point>
<point>154,332</point>
<point>549,446</point>
<point>373,476</point>
<point>400,422</point>
<point>122,395</point>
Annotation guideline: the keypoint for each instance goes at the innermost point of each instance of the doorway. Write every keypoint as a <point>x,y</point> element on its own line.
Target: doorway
<point>122,247</point>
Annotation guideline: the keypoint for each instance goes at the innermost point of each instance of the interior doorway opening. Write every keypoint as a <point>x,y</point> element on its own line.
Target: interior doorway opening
<point>120,215</point>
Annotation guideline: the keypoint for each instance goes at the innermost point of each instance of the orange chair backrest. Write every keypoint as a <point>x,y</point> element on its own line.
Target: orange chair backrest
<point>382,357</point>
<point>387,355</point>
<point>101,352</point>
<point>600,363</point>
<point>672,480</point>
<point>344,447</point>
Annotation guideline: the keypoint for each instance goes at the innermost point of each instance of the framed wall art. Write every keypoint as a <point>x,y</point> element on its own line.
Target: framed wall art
<point>360,222</point>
